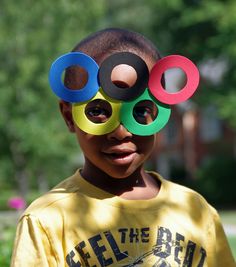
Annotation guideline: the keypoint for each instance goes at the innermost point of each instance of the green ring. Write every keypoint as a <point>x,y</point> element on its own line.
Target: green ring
<point>80,118</point>
<point>134,127</point>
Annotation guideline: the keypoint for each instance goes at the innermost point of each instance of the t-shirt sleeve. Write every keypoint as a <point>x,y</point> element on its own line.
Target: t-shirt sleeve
<point>32,246</point>
<point>224,256</point>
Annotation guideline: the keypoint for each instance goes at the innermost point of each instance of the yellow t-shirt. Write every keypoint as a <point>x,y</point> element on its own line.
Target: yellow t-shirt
<point>77,224</point>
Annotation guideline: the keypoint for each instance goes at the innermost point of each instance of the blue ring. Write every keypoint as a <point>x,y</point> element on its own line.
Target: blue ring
<point>72,59</point>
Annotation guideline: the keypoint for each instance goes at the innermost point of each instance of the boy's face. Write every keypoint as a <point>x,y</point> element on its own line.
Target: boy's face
<point>119,153</point>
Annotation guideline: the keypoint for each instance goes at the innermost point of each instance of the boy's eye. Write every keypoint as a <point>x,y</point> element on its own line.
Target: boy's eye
<point>142,112</point>
<point>98,111</point>
<point>145,112</point>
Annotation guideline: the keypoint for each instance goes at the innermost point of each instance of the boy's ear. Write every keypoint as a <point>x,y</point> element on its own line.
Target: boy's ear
<point>66,112</point>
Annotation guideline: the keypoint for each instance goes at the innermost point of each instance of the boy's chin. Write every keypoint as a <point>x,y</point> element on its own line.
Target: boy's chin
<point>122,173</point>
<point>103,172</point>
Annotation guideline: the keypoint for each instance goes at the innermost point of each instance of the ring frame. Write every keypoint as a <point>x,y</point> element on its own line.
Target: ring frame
<point>72,59</point>
<point>173,61</point>
<point>125,94</point>
<point>133,126</point>
<point>81,120</point>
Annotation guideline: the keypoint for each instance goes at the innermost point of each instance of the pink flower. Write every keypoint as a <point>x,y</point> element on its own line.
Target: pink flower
<point>17,203</point>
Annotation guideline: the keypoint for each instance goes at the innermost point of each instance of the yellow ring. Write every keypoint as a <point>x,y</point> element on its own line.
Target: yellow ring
<point>80,118</point>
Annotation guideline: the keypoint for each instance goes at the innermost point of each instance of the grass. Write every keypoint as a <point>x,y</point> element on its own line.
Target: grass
<point>232,243</point>
<point>229,218</point>
<point>6,244</point>
<point>7,233</point>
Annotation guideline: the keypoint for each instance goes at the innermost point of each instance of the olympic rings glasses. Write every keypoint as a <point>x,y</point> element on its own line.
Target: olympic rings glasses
<point>101,105</point>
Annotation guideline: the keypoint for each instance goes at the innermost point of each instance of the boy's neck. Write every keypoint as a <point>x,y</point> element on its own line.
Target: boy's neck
<point>139,185</point>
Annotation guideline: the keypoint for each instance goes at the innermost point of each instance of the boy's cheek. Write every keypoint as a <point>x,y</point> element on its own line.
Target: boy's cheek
<point>66,112</point>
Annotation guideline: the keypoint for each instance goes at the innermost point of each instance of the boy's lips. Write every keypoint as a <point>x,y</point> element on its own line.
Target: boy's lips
<point>120,156</point>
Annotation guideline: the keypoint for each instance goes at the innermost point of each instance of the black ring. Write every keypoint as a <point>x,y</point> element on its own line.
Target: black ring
<point>119,93</point>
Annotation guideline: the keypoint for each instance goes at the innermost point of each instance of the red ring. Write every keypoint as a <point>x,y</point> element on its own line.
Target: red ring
<point>173,61</point>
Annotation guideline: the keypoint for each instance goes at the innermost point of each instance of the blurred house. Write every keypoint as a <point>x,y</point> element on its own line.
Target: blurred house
<point>193,134</point>
<point>191,137</point>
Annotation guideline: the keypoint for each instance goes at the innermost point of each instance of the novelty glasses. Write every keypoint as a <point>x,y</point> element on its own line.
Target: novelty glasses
<point>101,105</point>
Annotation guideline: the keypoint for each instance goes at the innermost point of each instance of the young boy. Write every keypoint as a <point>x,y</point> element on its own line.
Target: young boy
<point>112,212</point>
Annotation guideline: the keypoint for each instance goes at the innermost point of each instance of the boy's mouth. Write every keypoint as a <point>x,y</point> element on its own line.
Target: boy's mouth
<point>120,156</point>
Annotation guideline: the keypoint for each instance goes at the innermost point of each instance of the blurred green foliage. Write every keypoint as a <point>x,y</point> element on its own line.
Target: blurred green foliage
<point>35,148</point>
<point>216,181</point>
<point>6,244</point>
<point>7,194</point>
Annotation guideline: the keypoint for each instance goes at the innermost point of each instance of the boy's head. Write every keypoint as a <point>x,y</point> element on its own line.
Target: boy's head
<point>119,63</point>
<point>101,47</point>
<point>118,153</point>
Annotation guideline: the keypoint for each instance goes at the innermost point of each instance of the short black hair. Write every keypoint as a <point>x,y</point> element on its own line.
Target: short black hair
<point>107,41</point>
<point>101,44</point>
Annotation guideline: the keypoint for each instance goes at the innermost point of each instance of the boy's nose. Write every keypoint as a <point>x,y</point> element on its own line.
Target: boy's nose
<point>120,133</point>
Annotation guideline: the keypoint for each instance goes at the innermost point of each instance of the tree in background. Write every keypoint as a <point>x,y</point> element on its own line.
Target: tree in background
<point>35,147</point>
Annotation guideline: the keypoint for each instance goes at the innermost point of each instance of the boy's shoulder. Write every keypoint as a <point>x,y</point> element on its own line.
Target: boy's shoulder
<point>182,195</point>
<point>172,186</point>
<point>72,194</point>
<point>56,199</point>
